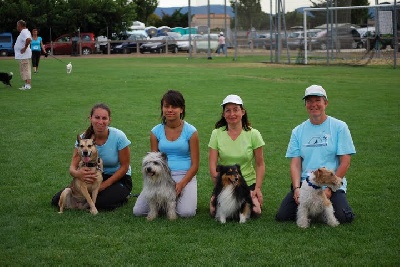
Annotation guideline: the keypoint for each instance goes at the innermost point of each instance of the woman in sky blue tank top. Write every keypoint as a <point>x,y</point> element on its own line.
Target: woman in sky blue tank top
<point>180,141</point>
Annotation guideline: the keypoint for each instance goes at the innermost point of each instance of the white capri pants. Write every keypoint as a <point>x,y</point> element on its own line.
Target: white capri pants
<point>186,204</point>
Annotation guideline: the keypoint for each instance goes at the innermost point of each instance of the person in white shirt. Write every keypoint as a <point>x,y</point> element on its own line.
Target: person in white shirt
<point>23,53</point>
<point>221,43</point>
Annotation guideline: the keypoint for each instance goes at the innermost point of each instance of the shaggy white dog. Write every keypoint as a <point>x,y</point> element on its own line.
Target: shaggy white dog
<point>158,186</point>
<point>313,201</point>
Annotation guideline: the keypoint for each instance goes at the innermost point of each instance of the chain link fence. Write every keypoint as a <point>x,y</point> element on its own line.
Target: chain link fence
<point>347,34</point>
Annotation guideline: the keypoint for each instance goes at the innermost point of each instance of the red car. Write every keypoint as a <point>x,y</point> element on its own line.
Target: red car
<point>63,45</point>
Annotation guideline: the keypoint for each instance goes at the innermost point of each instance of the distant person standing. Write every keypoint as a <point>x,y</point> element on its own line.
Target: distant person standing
<point>23,53</point>
<point>37,47</point>
<point>221,43</point>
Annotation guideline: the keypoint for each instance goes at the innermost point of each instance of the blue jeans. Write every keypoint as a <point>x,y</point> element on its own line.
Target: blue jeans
<point>221,47</point>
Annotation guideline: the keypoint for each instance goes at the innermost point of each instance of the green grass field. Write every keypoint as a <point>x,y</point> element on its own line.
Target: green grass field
<point>38,129</point>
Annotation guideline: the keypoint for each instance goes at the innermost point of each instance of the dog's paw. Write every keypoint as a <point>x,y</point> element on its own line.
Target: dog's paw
<point>303,223</point>
<point>304,226</point>
<point>93,211</point>
<point>172,216</point>
<point>242,218</point>
<point>222,220</point>
<point>333,223</point>
<point>150,218</point>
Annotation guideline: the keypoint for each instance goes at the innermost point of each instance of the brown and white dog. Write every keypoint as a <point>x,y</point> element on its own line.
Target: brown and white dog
<point>80,194</point>
<point>232,195</point>
<point>313,202</point>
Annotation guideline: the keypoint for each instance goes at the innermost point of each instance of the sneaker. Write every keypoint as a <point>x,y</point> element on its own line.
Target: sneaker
<point>25,87</point>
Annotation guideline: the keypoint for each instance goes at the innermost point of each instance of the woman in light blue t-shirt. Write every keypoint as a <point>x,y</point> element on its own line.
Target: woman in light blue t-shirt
<point>320,141</point>
<point>180,141</point>
<point>113,148</point>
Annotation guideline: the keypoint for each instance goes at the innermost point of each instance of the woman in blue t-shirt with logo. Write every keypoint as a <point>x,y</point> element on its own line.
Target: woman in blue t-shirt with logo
<point>180,141</point>
<point>37,47</point>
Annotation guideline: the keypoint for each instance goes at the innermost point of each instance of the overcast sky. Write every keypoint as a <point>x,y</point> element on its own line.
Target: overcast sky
<point>290,5</point>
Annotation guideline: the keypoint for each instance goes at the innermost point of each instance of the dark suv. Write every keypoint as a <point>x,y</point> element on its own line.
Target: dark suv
<point>63,45</point>
<point>130,45</point>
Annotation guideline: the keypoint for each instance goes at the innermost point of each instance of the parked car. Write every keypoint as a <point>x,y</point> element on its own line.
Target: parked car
<point>130,46</point>
<point>202,43</point>
<point>258,41</point>
<point>183,41</point>
<point>6,44</point>
<point>295,40</point>
<point>63,45</point>
<point>159,45</point>
<point>343,37</point>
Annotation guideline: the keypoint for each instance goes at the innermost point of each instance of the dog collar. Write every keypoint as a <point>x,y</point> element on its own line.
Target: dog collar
<point>93,164</point>
<point>90,164</point>
<point>311,184</point>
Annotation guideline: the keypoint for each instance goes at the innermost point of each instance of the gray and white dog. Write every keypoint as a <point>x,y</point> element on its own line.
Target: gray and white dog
<point>158,186</point>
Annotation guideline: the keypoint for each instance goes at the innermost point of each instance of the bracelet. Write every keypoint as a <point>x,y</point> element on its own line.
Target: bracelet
<point>297,187</point>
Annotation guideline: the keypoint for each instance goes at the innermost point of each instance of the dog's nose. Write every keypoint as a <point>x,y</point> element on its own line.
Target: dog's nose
<point>148,169</point>
<point>85,153</point>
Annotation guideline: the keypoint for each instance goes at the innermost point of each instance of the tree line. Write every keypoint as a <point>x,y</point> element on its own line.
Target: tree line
<point>55,17</point>
<point>103,17</point>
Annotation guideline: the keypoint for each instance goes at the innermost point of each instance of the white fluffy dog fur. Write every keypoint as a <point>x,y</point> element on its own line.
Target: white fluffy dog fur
<point>313,201</point>
<point>69,68</point>
<point>158,186</point>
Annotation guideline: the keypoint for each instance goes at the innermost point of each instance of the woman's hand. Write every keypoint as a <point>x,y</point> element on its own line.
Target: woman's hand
<point>328,192</point>
<point>179,187</point>
<point>296,195</point>
<point>87,175</point>
<point>257,194</point>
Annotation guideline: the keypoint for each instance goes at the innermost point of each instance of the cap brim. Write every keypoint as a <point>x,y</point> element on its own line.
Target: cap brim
<point>230,102</point>
<point>316,94</point>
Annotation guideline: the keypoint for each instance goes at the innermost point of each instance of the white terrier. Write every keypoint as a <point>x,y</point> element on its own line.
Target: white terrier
<point>69,68</point>
<point>313,201</point>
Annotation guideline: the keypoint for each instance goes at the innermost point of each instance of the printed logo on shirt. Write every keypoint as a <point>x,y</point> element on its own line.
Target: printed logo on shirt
<point>318,141</point>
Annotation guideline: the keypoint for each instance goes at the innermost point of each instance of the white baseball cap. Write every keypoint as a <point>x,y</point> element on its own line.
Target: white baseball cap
<point>221,33</point>
<point>235,99</point>
<point>316,90</point>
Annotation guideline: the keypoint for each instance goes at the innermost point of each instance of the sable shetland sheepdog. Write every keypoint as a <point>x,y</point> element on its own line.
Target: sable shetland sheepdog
<point>232,195</point>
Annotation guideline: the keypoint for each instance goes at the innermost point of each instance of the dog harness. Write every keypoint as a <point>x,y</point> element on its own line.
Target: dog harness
<point>312,185</point>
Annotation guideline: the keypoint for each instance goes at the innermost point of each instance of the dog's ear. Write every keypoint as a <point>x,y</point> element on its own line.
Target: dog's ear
<point>78,138</point>
<point>219,167</point>
<point>237,166</point>
<point>164,156</point>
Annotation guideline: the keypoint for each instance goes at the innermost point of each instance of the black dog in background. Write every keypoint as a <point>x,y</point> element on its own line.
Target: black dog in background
<point>6,77</point>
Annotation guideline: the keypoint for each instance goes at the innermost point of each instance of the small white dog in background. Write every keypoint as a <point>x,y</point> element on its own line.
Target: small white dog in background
<point>69,68</point>
<point>313,202</point>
